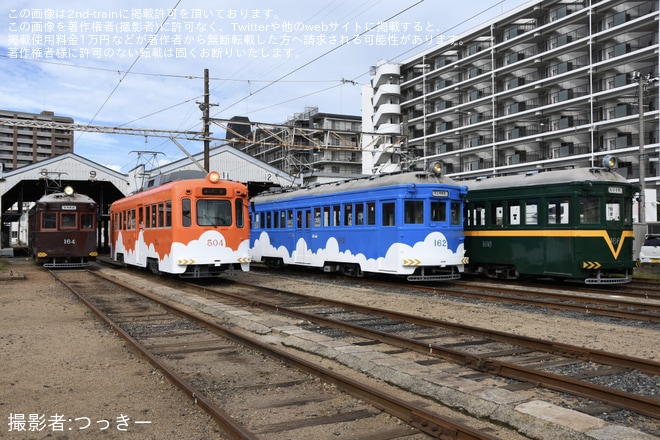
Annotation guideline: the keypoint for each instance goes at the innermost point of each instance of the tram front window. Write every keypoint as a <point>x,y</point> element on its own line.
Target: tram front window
<point>213,212</point>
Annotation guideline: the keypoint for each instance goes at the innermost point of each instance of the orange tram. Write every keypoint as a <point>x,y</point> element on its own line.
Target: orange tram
<point>193,228</point>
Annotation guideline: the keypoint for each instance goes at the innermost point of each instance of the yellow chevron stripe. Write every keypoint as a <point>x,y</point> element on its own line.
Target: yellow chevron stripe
<point>562,233</point>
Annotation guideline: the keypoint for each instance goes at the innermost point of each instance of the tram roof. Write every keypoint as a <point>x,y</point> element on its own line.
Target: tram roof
<point>367,183</point>
<point>62,197</point>
<point>541,178</point>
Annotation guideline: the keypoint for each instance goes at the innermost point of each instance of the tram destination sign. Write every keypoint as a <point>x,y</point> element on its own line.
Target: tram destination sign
<point>440,193</point>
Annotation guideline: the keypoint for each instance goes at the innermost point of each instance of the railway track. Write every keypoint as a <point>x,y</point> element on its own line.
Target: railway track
<point>566,368</point>
<point>639,302</point>
<point>599,302</point>
<point>589,301</point>
<point>248,385</point>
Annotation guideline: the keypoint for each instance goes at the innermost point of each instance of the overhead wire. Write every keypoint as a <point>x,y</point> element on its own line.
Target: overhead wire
<point>323,12</point>
<point>326,53</point>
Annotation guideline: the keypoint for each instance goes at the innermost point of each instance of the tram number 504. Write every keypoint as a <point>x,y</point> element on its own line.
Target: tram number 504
<point>215,243</point>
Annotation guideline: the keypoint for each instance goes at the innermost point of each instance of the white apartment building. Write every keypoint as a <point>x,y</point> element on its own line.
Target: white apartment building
<point>549,84</point>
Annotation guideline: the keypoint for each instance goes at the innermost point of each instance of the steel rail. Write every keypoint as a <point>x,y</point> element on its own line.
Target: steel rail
<point>430,423</point>
<point>587,305</point>
<point>224,420</point>
<point>641,404</point>
<point>573,351</point>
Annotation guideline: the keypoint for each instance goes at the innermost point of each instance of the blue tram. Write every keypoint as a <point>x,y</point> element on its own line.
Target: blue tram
<point>563,224</point>
<point>407,224</point>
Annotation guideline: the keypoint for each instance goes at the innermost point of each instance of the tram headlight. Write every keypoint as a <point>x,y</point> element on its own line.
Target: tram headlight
<point>213,177</point>
<point>610,162</point>
<point>436,168</point>
<point>68,191</point>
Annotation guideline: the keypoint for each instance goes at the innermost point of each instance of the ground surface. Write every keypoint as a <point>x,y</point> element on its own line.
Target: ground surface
<point>59,362</point>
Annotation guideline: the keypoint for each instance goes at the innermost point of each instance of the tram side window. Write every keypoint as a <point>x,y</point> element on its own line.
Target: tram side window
<point>87,221</point>
<point>238,211</point>
<point>413,212</point>
<point>326,216</point>
<point>388,213</point>
<point>627,207</point>
<point>48,220</point>
<point>299,219</point>
<point>168,214</point>
<point>256,223</point>
<point>497,213</point>
<point>268,224</point>
<point>276,218</point>
<point>613,210</point>
<point>317,217</point>
<point>348,214</point>
<point>359,214</point>
<point>514,212</point>
<point>558,212</point>
<point>161,215</point>
<point>438,211</point>
<point>455,213</point>
<point>531,212</point>
<point>371,213</point>
<point>68,221</point>
<point>477,214</point>
<point>282,219</point>
<point>186,214</point>
<point>289,221</point>
<point>154,215</point>
<point>336,215</point>
<point>147,215</point>
<point>589,210</point>
<point>133,218</point>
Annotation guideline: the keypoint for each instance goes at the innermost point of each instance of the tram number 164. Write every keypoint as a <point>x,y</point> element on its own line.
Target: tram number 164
<point>69,241</point>
<point>215,242</point>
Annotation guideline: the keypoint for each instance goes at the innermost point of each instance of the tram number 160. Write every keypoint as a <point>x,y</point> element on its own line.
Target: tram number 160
<point>215,243</point>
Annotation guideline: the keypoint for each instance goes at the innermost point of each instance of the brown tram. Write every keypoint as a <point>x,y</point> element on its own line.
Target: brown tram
<point>62,230</point>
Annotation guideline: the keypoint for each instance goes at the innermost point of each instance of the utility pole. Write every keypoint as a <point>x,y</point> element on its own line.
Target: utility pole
<point>643,82</point>
<point>206,133</point>
<point>205,111</point>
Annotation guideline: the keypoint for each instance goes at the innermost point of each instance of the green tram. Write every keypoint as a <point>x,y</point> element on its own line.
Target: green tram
<point>565,224</point>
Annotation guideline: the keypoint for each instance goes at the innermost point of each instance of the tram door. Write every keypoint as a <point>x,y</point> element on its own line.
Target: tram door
<point>388,235</point>
<point>303,235</point>
<point>139,231</point>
